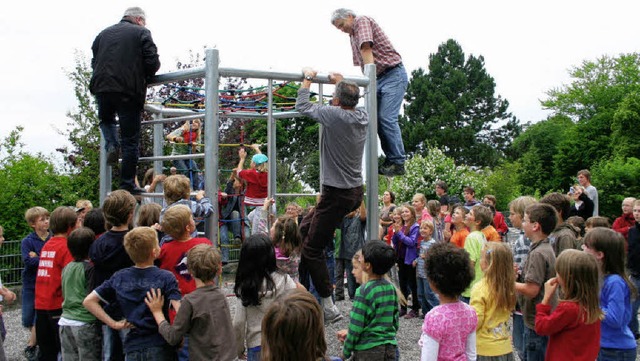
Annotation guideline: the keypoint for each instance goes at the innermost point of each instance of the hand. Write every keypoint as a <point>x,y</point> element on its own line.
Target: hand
<point>307,71</point>
<point>159,178</point>
<point>335,78</point>
<point>32,254</point>
<point>423,256</point>
<point>199,195</point>
<point>9,296</point>
<point>121,325</point>
<point>256,147</point>
<point>549,289</point>
<point>341,335</point>
<point>267,203</point>
<point>154,300</point>
<point>242,153</point>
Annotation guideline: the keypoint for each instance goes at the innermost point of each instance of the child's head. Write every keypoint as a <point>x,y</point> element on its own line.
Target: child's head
<point>257,262</point>
<point>478,217</point>
<point>356,271</point>
<point>458,215</point>
<point>118,208</point>
<point>79,242</point>
<point>560,202</point>
<point>293,329</point>
<point>419,201</point>
<point>627,205</point>
<point>192,126</point>
<point>141,244</point>
<point>259,161</point>
<point>426,229</point>
<point>636,210</point>
<point>577,274</point>
<point>577,222</point>
<point>448,269</point>
<point>468,193</point>
<point>204,262</point>
<point>292,209</point>
<point>149,214</point>
<point>176,187</point>
<point>286,235</point>
<point>434,207</point>
<point>490,199</point>
<point>497,264</point>
<point>94,220</point>
<point>148,177</point>
<point>608,247</point>
<point>83,206</point>
<point>408,214</point>
<point>596,221</point>
<point>539,221</point>
<point>516,210</point>
<point>37,218</point>
<point>63,220</point>
<point>378,257</point>
<point>397,215</point>
<point>178,221</point>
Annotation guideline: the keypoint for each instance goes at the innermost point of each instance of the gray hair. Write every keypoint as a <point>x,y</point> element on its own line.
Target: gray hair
<point>348,93</point>
<point>341,14</point>
<point>134,12</point>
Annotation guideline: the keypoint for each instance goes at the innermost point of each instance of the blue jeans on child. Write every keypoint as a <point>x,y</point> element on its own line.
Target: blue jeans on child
<point>518,334</point>
<point>428,299</point>
<point>166,353</point>
<point>633,324</point>
<point>535,346</point>
<point>112,343</point>
<point>613,354</point>
<point>253,354</point>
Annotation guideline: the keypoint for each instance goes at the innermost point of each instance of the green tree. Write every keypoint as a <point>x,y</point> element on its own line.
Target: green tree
<point>615,179</point>
<point>625,136</point>
<point>453,106</point>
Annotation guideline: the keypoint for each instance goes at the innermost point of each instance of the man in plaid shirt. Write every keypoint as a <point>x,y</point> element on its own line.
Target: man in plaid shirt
<point>370,45</point>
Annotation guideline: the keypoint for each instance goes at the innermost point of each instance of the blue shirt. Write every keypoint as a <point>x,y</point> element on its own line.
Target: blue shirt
<point>615,301</point>
<point>128,287</point>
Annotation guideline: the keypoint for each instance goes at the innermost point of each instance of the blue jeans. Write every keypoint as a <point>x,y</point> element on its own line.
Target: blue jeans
<point>633,324</point>
<point>518,335</point>
<point>112,343</point>
<point>189,168</point>
<point>391,89</point>
<point>428,299</point>
<point>612,354</point>
<point>342,266</point>
<point>535,346</point>
<point>165,353</point>
<point>253,354</point>
<point>129,113</point>
<point>234,223</point>
<point>28,307</point>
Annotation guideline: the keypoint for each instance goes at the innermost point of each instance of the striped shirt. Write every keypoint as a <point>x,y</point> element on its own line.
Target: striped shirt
<point>374,317</point>
<point>366,30</point>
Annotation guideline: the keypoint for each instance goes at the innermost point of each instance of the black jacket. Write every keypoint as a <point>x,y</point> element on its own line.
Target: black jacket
<point>124,57</point>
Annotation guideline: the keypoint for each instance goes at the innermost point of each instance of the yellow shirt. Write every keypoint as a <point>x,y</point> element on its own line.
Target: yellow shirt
<point>493,332</point>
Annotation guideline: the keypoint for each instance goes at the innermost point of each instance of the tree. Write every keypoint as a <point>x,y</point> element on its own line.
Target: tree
<point>454,107</point>
<point>625,136</point>
<point>615,179</point>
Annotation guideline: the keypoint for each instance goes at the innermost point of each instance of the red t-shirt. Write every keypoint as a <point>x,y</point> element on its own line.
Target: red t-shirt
<point>257,184</point>
<point>173,258</point>
<point>53,257</point>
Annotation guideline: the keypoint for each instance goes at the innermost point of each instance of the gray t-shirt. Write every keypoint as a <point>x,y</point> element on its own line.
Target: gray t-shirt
<point>342,144</point>
<point>592,192</point>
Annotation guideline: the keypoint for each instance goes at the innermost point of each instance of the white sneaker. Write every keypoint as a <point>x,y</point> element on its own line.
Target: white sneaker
<point>332,314</point>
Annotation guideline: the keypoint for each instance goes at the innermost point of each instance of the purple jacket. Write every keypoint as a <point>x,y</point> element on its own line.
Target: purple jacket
<point>410,242</point>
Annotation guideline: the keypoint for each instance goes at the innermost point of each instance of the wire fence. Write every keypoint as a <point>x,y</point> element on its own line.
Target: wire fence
<point>11,265</point>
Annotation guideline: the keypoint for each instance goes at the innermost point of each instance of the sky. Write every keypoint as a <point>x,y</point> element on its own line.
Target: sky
<point>528,47</point>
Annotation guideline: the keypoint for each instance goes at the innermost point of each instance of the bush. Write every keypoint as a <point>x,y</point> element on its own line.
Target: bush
<point>503,183</point>
<point>615,180</point>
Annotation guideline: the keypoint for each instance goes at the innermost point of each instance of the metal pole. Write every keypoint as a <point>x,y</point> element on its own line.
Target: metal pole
<point>271,143</point>
<point>371,152</point>
<point>211,131</point>
<point>105,172</point>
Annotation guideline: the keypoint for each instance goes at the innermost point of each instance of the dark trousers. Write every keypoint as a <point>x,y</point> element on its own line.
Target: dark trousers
<point>47,334</point>
<point>384,352</point>
<point>408,283</point>
<point>129,113</point>
<point>318,228</point>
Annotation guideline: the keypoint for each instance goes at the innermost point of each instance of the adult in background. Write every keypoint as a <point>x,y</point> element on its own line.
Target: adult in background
<point>626,221</point>
<point>370,45</point>
<point>386,211</point>
<point>344,131</point>
<point>124,57</point>
<point>584,178</point>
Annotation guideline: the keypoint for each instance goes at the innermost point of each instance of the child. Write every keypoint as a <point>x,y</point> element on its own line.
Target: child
<point>351,240</point>
<point>149,215</point>
<point>205,325</point>
<point>405,242</point>
<point>493,299</point>
<point>257,177</point>
<point>460,230</point>
<point>426,296</point>
<point>128,288</point>
<point>396,216</point>
<point>8,296</point>
<point>31,246</point>
<point>108,256</point>
<point>449,330</point>
<point>596,221</point>
<point>374,316</point>
<point>478,218</point>
<point>257,284</point>
<point>80,335</point>
<point>539,221</point>
<point>438,225</point>
<point>293,329</point>
<point>287,241</point>
<point>617,342</point>
<point>55,255</point>
<point>177,191</point>
<point>83,206</point>
<point>94,220</point>
<point>185,140</point>
<point>574,325</point>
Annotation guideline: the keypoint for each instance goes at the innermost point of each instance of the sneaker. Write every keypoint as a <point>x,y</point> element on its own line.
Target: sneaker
<point>402,312</point>
<point>391,170</point>
<point>332,315</point>
<point>411,314</point>
<point>113,156</point>
<point>31,353</point>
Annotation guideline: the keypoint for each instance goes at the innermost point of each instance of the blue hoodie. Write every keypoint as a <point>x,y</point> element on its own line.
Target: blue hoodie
<point>31,243</point>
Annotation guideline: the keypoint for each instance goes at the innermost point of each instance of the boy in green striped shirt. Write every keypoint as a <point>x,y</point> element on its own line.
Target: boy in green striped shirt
<point>374,316</point>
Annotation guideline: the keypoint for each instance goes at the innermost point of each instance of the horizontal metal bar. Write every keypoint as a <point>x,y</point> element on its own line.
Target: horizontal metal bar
<point>296,194</point>
<point>173,157</point>
<point>176,119</point>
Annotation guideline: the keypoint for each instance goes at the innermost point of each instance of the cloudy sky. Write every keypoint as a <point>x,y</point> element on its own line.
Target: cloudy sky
<point>528,46</point>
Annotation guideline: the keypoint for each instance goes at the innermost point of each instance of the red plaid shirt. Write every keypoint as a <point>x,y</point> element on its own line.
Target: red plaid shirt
<point>365,29</point>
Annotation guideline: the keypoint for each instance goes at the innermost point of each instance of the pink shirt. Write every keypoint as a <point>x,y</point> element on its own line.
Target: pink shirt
<point>450,325</point>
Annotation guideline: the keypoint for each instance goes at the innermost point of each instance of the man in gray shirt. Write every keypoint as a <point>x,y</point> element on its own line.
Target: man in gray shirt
<point>344,131</point>
<point>584,178</point>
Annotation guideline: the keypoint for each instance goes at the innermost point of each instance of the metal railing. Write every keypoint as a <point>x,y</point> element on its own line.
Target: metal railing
<point>11,265</point>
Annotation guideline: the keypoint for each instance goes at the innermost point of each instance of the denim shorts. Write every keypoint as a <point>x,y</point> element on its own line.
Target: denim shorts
<point>28,307</point>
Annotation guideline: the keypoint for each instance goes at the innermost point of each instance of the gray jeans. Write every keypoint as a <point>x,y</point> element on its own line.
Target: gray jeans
<point>81,342</point>
<point>385,352</point>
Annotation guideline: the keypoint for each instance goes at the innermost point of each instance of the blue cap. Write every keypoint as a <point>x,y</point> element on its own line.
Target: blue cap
<point>259,159</point>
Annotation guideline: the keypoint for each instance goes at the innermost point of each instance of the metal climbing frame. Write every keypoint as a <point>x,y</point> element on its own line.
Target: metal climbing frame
<point>212,74</point>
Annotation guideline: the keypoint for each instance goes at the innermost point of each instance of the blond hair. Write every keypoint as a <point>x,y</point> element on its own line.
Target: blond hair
<point>34,213</point>
<point>175,220</point>
<point>84,203</point>
<point>499,275</point>
<point>176,187</point>
<point>519,204</point>
<point>203,262</point>
<point>579,271</point>
<point>140,242</point>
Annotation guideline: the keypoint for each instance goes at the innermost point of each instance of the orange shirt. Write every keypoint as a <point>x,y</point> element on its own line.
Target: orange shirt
<point>491,234</point>
<point>459,236</point>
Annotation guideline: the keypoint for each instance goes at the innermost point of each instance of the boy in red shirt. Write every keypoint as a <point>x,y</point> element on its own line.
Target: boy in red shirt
<point>48,302</point>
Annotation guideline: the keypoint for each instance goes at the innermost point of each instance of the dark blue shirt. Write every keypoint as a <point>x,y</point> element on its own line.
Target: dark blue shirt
<point>31,243</point>
<point>128,288</point>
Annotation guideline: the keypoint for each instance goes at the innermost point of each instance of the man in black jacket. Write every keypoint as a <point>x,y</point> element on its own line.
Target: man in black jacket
<point>124,57</point>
